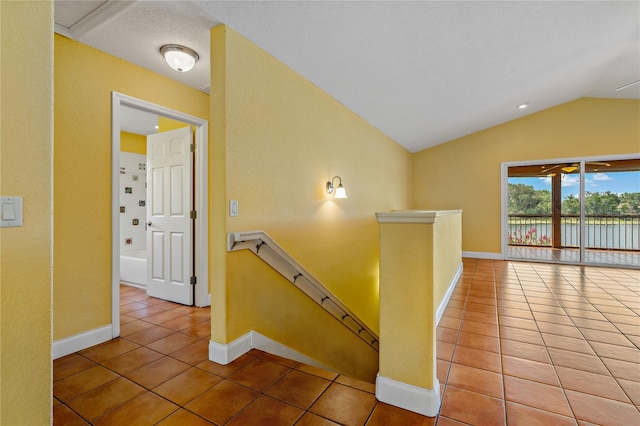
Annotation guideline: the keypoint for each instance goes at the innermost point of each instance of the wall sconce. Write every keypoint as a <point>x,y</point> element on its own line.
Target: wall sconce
<point>340,191</point>
<point>180,58</point>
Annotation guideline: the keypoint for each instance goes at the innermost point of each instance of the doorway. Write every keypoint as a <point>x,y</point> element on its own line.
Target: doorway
<point>199,254</point>
<point>577,211</point>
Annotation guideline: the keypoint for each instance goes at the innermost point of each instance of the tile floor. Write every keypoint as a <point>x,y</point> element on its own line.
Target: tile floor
<point>540,344</point>
<point>519,343</point>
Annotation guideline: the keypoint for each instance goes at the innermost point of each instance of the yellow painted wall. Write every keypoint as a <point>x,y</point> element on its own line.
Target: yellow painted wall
<point>447,256</point>
<point>83,81</point>
<point>465,173</point>
<point>165,124</point>
<point>26,135</point>
<point>131,142</point>
<point>288,315</point>
<point>218,179</point>
<point>282,139</point>
<point>407,330</point>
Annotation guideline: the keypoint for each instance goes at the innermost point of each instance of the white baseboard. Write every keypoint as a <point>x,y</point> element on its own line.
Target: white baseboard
<point>81,341</point>
<point>266,344</point>
<point>132,284</point>
<point>482,255</point>
<point>205,303</point>
<point>447,296</point>
<point>413,398</point>
<point>224,354</point>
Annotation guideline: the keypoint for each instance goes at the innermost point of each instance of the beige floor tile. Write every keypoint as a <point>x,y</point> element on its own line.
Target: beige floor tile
<point>472,408</point>
<point>344,405</point>
<point>267,411</point>
<point>148,408</point>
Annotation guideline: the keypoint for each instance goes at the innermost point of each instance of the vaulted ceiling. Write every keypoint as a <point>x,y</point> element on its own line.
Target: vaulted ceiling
<point>422,72</point>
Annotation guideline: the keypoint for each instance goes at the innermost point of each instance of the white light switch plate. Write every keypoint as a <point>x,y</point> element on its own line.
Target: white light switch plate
<point>10,212</point>
<point>233,208</point>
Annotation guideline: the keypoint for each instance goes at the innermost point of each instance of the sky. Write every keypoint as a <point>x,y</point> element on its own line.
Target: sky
<point>617,182</point>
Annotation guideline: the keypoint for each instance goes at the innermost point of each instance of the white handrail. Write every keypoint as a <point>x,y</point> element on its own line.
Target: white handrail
<point>269,251</point>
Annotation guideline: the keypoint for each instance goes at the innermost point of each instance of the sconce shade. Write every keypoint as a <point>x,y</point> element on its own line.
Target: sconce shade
<point>180,58</point>
<point>340,191</point>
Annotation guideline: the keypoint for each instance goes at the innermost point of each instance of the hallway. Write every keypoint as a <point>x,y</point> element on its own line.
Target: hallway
<point>519,343</point>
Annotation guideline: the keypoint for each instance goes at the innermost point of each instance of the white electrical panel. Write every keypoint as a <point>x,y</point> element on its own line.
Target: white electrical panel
<point>10,212</point>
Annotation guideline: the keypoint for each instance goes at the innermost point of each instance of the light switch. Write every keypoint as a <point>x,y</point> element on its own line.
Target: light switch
<point>233,208</point>
<point>8,211</point>
<point>11,211</point>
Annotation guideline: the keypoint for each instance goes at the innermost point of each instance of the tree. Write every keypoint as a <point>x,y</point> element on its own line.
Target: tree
<point>543,200</point>
<point>630,203</point>
<point>524,199</point>
<point>570,205</point>
<point>602,204</point>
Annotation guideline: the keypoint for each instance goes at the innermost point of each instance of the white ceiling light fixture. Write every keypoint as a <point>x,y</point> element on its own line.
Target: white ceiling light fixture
<point>522,106</point>
<point>180,58</point>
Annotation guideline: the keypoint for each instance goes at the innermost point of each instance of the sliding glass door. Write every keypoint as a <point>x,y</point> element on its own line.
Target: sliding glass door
<point>584,212</point>
<point>612,212</point>
<point>543,206</point>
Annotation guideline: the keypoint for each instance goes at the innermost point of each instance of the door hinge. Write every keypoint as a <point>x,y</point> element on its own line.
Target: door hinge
<point>193,214</point>
<point>194,280</point>
<point>193,147</point>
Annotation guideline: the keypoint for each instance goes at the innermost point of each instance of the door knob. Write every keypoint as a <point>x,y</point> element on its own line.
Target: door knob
<point>149,223</point>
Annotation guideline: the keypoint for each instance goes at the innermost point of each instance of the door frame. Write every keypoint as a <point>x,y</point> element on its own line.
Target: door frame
<point>201,253</point>
<point>504,177</point>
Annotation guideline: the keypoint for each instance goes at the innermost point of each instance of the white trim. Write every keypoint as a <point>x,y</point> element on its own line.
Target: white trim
<point>583,211</point>
<point>614,157</point>
<point>482,255</point>
<point>264,343</point>
<point>225,354</point>
<point>201,204</point>
<point>80,341</point>
<point>504,214</point>
<point>63,31</point>
<point>130,284</point>
<point>447,295</point>
<point>413,398</point>
<point>413,216</point>
<point>115,217</point>
<point>103,14</point>
<point>201,256</point>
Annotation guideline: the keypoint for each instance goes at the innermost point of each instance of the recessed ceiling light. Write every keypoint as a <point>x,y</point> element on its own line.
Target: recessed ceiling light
<point>156,127</point>
<point>522,106</point>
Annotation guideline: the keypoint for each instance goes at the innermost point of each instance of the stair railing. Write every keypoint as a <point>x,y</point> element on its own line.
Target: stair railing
<point>271,253</point>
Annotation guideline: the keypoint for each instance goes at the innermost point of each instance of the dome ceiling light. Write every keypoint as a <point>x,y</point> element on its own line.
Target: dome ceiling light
<point>180,58</point>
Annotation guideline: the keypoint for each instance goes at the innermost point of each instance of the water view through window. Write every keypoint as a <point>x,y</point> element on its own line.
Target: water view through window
<point>546,214</point>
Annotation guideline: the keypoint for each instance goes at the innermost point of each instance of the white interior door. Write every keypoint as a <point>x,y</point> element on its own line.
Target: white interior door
<point>169,230</point>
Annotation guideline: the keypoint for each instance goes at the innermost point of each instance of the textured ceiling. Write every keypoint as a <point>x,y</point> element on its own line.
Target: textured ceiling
<point>422,72</point>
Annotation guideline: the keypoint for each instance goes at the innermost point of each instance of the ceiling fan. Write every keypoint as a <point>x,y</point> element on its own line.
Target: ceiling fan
<point>572,167</point>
